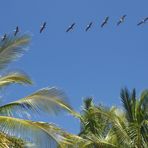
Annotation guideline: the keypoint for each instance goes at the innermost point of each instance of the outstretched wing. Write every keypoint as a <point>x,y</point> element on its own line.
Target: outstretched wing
<point>68,29</point>
<point>118,23</point>
<point>123,17</point>
<point>140,23</point>
<point>102,25</point>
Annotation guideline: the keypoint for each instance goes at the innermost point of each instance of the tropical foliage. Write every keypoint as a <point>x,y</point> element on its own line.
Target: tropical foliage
<point>101,127</point>
<point>14,123</point>
<point>114,127</point>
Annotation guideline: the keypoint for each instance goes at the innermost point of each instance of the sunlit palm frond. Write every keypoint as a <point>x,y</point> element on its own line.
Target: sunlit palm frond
<point>5,141</point>
<point>10,142</point>
<point>28,131</point>
<point>14,77</point>
<point>96,124</point>
<point>64,138</point>
<point>139,134</point>
<point>118,124</point>
<point>100,141</point>
<point>48,100</point>
<point>51,129</point>
<point>12,48</point>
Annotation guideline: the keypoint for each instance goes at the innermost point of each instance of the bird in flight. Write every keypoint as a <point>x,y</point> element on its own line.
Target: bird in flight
<point>121,20</point>
<point>105,21</point>
<point>43,27</point>
<point>4,37</point>
<point>16,31</point>
<point>143,21</point>
<point>88,26</point>
<point>70,27</point>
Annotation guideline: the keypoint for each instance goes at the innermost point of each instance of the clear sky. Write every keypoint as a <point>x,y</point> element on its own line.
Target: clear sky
<point>96,63</point>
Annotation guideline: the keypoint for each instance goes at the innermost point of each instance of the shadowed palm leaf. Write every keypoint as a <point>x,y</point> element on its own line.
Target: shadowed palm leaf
<point>127,103</point>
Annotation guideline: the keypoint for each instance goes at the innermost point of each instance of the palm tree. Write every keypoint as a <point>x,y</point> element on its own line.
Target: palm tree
<point>122,128</point>
<point>95,127</point>
<point>103,127</point>
<point>136,114</point>
<point>15,117</point>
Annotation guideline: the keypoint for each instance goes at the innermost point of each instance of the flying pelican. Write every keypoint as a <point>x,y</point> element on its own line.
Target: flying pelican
<point>16,31</point>
<point>105,21</point>
<point>70,27</point>
<point>88,26</point>
<point>143,21</point>
<point>43,27</point>
<point>4,37</point>
<point>121,20</point>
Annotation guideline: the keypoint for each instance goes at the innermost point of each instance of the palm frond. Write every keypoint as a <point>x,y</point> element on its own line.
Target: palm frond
<point>138,134</point>
<point>4,141</point>
<point>88,102</point>
<point>12,48</point>
<point>47,100</point>
<point>28,131</point>
<point>142,107</point>
<point>100,142</point>
<point>8,141</point>
<point>144,101</point>
<point>14,77</point>
<point>125,98</point>
<point>118,123</point>
<point>64,138</point>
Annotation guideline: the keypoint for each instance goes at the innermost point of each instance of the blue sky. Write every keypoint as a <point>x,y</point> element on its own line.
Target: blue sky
<point>97,63</point>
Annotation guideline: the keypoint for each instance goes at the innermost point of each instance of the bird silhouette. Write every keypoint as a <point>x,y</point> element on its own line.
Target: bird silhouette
<point>70,27</point>
<point>4,37</point>
<point>105,21</point>
<point>16,31</point>
<point>88,26</point>
<point>121,20</point>
<point>43,27</point>
<point>143,21</point>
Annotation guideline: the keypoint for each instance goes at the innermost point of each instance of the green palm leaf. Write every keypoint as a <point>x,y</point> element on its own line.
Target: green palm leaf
<point>48,100</point>
<point>62,137</point>
<point>5,141</point>
<point>126,99</point>
<point>8,141</point>
<point>28,131</point>
<point>118,122</point>
<point>12,48</point>
<point>14,77</point>
<point>99,142</point>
